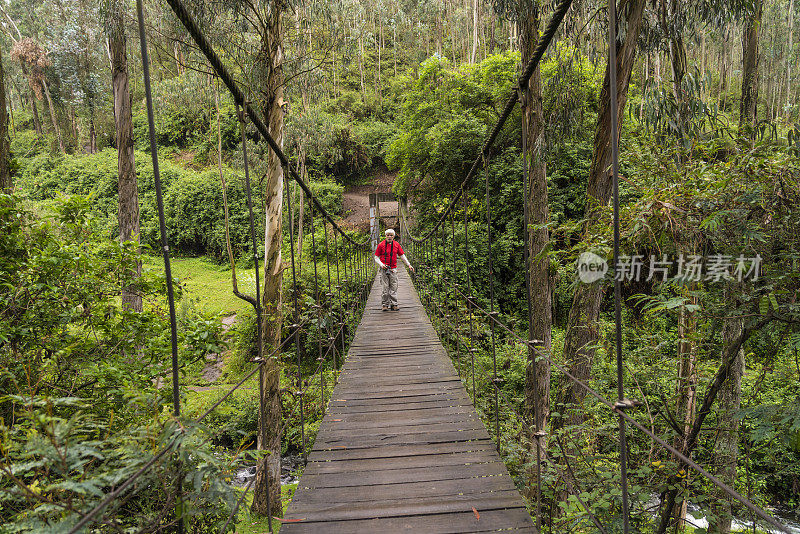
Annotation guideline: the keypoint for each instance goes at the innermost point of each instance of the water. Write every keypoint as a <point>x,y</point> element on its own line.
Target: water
<point>695,518</point>
<point>289,470</point>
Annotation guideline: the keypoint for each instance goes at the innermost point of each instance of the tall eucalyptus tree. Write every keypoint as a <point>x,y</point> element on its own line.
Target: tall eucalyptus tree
<point>128,210</point>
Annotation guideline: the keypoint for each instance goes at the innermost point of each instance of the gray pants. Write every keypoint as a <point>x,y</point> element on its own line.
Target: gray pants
<point>389,287</point>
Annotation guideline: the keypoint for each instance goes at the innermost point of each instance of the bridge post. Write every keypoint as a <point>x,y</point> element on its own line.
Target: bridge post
<point>402,213</point>
<point>374,220</point>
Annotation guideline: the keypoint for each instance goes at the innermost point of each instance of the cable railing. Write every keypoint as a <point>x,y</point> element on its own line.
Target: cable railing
<point>339,296</point>
<point>440,293</point>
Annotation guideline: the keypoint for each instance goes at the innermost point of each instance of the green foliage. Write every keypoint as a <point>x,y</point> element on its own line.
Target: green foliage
<point>335,143</point>
<point>192,200</point>
<point>445,115</point>
<point>79,414</point>
<point>570,88</point>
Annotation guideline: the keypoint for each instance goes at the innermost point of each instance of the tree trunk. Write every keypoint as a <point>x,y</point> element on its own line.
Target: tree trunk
<point>582,332</point>
<point>537,375</point>
<point>685,395</point>
<point>53,119</point>
<point>37,122</point>
<point>677,59</point>
<point>270,62</point>
<point>474,54</point>
<point>732,345</point>
<point>727,445</point>
<point>750,56</point>
<point>5,171</point>
<point>380,50</point>
<point>361,63</point>
<point>128,211</point>
<point>788,108</point>
<point>92,134</point>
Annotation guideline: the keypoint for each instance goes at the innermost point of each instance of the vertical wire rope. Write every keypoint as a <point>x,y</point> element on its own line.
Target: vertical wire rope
<point>327,304</point>
<point>492,313</point>
<point>297,344</point>
<point>469,299</point>
<point>612,94</point>
<point>531,353</point>
<point>339,311</point>
<point>318,310</point>
<point>176,400</point>
<point>329,300</point>
<point>441,295</point>
<point>456,315</point>
<point>259,331</point>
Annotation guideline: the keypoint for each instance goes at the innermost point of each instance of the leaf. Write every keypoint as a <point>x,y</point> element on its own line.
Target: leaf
<point>773,301</point>
<point>477,515</point>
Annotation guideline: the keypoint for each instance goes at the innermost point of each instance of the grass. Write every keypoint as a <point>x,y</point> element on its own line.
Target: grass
<point>206,283</point>
<point>251,524</point>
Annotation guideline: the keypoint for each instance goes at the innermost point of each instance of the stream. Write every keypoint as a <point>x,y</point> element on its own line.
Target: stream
<point>289,468</point>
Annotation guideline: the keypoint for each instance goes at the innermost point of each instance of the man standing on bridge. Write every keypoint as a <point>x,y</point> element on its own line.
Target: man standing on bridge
<point>386,255</point>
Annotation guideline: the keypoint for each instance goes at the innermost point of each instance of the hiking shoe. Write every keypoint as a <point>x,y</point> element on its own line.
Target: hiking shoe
<point>395,308</point>
<point>384,308</point>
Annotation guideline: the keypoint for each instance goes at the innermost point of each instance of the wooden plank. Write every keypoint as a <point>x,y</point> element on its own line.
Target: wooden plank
<point>489,521</point>
<point>406,507</point>
<point>402,462</point>
<point>410,490</point>
<point>328,443</point>
<point>397,476</point>
<point>390,410</point>
<point>400,450</point>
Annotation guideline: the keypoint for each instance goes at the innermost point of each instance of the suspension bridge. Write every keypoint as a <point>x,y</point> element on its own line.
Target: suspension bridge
<point>401,447</point>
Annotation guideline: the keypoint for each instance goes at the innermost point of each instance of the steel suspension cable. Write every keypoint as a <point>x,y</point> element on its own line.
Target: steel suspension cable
<point>472,348</point>
<point>176,403</point>
<point>491,294</point>
<point>317,307</point>
<point>296,318</point>
<point>205,47</point>
<point>541,47</point>
<point>257,305</point>
<point>612,93</point>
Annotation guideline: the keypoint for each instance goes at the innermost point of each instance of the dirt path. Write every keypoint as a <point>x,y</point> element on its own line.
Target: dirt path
<point>355,202</point>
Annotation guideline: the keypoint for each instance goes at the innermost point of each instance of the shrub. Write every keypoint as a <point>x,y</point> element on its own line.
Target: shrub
<point>192,200</point>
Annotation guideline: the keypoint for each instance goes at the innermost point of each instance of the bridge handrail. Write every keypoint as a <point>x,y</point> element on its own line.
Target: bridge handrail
<point>613,407</point>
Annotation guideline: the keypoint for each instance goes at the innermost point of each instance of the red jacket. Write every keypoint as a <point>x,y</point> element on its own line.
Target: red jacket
<point>388,253</point>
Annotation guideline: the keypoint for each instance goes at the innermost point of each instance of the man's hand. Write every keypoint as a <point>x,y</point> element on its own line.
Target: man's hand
<point>412,269</point>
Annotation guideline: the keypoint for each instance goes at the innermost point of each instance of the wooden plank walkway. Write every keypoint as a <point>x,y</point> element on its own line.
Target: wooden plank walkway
<point>401,447</point>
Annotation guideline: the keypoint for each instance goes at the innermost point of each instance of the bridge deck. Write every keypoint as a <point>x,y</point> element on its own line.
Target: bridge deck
<point>401,447</point>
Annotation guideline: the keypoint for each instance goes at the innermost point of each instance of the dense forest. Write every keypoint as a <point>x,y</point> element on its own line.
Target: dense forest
<point>398,96</point>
